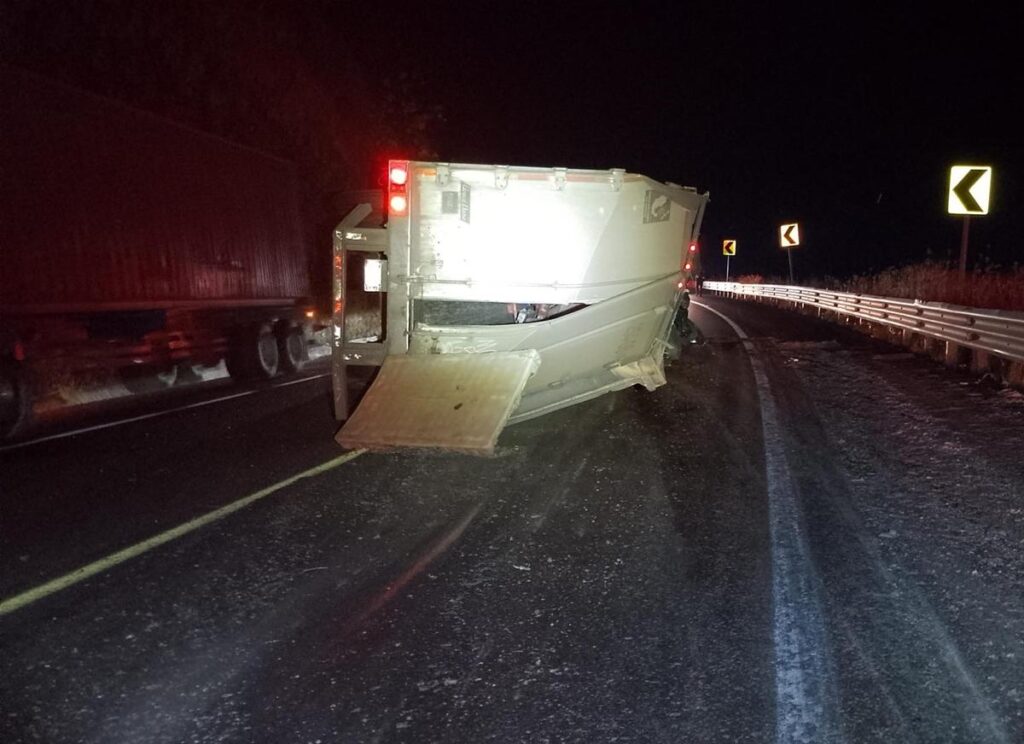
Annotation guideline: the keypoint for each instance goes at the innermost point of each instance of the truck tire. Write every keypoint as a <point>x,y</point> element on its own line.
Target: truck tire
<point>291,347</point>
<point>15,400</point>
<point>253,354</point>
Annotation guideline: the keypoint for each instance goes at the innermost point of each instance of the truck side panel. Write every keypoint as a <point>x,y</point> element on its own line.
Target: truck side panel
<point>108,206</point>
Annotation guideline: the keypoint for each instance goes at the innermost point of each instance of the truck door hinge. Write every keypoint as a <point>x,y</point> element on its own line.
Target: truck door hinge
<point>500,177</point>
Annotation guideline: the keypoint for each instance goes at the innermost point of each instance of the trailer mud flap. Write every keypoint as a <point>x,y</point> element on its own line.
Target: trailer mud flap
<point>455,402</point>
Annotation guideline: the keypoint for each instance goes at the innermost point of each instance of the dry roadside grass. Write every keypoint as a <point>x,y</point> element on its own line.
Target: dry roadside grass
<point>933,282</point>
<point>928,282</point>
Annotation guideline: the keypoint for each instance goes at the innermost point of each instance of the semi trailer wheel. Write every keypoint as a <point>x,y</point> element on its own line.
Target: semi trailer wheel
<point>253,354</point>
<point>15,400</point>
<point>291,346</point>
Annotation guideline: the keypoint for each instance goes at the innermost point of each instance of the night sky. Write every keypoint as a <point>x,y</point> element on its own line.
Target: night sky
<point>845,121</point>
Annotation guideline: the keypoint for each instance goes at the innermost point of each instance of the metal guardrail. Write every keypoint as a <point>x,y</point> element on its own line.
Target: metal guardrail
<point>999,332</point>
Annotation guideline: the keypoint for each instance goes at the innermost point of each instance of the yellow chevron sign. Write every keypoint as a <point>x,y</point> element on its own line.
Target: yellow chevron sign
<point>969,189</point>
<point>728,247</point>
<point>789,235</point>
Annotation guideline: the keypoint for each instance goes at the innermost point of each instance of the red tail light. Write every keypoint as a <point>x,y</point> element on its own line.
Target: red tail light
<point>398,204</point>
<point>398,183</point>
<point>687,266</point>
<point>693,246</point>
<point>398,175</point>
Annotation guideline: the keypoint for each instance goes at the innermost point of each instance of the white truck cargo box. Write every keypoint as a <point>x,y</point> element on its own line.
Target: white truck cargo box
<point>584,268</point>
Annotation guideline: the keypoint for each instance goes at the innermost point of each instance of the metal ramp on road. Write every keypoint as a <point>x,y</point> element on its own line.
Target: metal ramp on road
<point>455,402</point>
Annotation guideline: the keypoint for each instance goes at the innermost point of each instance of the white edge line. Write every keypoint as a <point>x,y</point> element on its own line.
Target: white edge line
<point>143,417</point>
<point>802,677</point>
<point>739,331</point>
<point>80,574</point>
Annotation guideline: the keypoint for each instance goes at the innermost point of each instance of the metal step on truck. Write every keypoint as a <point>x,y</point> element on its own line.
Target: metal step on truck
<point>494,294</point>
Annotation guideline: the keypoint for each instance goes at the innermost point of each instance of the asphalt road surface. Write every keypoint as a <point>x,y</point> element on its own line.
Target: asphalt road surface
<point>805,536</point>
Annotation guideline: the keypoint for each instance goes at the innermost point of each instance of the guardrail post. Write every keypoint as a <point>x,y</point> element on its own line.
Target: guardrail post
<point>1014,374</point>
<point>919,343</point>
<point>936,349</point>
<point>981,361</point>
<point>955,354</point>
<point>879,331</point>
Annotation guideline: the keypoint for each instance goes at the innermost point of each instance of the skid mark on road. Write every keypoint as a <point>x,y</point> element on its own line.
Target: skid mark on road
<point>557,497</point>
<point>81,574</point>
<point>802,672</point>
<point>436,549</point>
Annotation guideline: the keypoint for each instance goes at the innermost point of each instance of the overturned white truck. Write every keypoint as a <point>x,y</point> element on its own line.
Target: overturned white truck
<point>495,294</point>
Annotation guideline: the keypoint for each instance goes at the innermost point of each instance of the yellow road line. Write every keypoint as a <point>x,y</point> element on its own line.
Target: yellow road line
<point>80,574</point>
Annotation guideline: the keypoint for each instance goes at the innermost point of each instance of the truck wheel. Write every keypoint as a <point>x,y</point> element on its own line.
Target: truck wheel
<point>291,347</point>
<point>253,354</point>
<point>15,400</point>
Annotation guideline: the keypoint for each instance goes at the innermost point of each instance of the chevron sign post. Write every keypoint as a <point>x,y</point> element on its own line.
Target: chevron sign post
<point>728,250</point>
<point>970,187</point>
<point>789,238</point>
